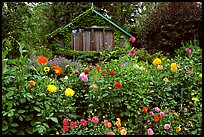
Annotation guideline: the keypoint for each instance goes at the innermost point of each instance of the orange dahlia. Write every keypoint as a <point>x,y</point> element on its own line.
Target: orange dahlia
<point>118,124</point>
<point>103,73</point>
<point>42,60</point>
<point>145,109</point>
<point>156,118</point>
<point>112,72</point>
<point>98,67</point>
<point>32,83</point>
<point>117,85</point>
<point>86,71</point>
<point>57,70</point>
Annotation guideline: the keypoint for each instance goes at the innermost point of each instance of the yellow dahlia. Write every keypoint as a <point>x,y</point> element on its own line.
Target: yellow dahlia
<point>69,92</point>
<point>178,129</point>
<point>174,67</point>
<point>123,131</point>
<point>51,88</point>
<point>156,62</point>
<point>46,69</point>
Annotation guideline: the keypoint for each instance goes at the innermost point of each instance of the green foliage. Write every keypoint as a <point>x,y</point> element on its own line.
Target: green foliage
<point>170,24</point>
<point>31,109</point>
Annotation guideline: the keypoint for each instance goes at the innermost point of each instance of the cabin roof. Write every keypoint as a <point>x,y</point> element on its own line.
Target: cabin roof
<point>92,10</point>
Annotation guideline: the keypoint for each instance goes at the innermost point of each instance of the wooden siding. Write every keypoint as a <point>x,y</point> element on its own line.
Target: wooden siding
<point>93,39</point>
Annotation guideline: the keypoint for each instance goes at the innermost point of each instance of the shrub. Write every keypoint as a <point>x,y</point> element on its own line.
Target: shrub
<point>170,24</point>
<point>119,88</point>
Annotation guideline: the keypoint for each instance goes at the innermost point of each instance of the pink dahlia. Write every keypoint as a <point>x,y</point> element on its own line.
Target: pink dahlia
<point>83,122</point>
<point>132,52</point>
<point>167,126</point>
<point>95,119</point>
<point>65,121</point>
<point>188,50</point>
<point>110,133</point>
<point>156,109</point>
<point>150,131</point>
<point>132,39</point>
<point>83,77</point>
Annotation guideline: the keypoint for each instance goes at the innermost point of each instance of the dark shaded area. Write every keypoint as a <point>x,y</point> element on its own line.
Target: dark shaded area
<point>171,24</point>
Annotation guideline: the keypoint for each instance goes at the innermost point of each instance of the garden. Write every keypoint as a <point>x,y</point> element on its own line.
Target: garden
<point>128,91</point>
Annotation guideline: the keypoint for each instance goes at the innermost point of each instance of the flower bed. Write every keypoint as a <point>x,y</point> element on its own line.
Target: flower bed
<point>123,96</point>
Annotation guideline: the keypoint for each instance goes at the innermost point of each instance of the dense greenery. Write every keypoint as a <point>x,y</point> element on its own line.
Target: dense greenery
<point>170,24</point>
<point>39,20</point>
<point>28,107</point>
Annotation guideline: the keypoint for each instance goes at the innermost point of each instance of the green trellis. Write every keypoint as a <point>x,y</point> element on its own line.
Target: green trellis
<point>96,12</point>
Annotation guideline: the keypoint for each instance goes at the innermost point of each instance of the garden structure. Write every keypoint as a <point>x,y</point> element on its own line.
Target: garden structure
<point>95,38</point>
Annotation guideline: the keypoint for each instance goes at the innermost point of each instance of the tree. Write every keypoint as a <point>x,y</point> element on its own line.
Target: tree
<point>15,17</point>
<point>170,24</point>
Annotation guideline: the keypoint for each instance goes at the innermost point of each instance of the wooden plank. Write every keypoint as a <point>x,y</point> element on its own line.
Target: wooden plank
<point>104,40</point>
<point>92,39</point>
<point>76,41</point>
<point>75,44</point>
<point>72,39</point>
<point>84,40</point>
<point>100,48</point>
<point>100,40</point>
<point>80,41</point>
<point>96,40</point>
<point>87,38</point>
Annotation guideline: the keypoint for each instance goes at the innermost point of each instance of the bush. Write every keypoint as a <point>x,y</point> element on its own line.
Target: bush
<point>170,24</point>
<point>120,88</point>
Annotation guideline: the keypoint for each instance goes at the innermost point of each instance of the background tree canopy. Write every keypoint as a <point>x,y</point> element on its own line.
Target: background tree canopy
<point>30,22</point>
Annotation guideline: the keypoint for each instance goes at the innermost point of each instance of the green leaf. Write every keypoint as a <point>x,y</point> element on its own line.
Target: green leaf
<point>36,123</point>
<point>46,125</point>
<point>106,94</point>
<point>127,113</point>
<point>21,111</point>
<point>13,130</point>
<point>29,95</point>
<point>22,100</point>
<point>40,130</point>
<point>20,118</point>
<point>39,114</point>
<point>29,130</point>
<point>14,124</point>
<point>5,113</point>
<point>129,107</point>
<point>9,106</point>
<point>37,109</point>
<point>4,127</point>
<point>21,132</point>
<point>10,114</point>
<point>54,119</point>
<point>10,93</point>
<point>5,122</point>
<point>194,132</point>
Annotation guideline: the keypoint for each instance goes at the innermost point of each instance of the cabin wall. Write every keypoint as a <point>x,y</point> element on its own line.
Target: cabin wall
<point>93,40</point>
